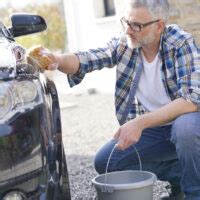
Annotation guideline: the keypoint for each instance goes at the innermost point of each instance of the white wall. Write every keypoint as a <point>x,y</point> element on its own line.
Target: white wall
<point>87,28</point>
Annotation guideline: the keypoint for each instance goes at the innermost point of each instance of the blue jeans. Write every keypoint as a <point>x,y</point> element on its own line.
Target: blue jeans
<point>172,152</point>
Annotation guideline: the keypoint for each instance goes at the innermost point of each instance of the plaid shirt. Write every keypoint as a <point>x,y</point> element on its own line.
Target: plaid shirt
<point>180,69</point>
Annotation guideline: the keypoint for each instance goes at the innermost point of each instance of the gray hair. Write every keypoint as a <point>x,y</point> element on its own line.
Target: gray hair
<point>159,9</point>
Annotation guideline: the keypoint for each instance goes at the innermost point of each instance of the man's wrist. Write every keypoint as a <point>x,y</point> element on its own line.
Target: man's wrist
<point>58,59</point>
<point>141,121</point>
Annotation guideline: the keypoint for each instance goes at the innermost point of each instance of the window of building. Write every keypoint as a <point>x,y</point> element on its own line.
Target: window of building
<point>109,7</point>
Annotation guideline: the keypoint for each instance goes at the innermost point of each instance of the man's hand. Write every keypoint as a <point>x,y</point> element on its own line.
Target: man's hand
<point>67,63</point>
<point>128,134</point>
<point>46,59</point>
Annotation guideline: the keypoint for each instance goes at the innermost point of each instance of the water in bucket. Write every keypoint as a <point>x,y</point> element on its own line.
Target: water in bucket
<point>125,185</point>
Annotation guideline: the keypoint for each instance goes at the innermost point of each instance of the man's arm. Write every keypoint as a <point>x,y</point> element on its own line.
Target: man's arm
<point>130,132</point>
<point>67,63</point>
<point>86,61</point>
<point>167,113</point>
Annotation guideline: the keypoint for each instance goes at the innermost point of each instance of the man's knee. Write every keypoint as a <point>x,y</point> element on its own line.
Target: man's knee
<point>101,158</point>
<point>186,129</point>
<point>99,164</point>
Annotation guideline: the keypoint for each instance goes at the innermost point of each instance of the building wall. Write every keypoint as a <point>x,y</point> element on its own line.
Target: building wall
<point>185,13</point>
<point>86,25</point>
<point>85,19</point>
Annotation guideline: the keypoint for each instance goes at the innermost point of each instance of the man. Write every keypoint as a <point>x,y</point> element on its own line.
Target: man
<point>157,97</point>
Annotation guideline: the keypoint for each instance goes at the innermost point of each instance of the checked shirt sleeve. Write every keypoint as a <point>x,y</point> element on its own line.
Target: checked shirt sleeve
<point>188,72</point>
<point>95,59</point>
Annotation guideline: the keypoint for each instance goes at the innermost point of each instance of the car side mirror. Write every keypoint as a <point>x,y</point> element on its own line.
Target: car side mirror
<point>24,24</point>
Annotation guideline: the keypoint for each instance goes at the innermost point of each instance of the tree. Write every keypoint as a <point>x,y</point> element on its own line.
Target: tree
<point>54,37</point>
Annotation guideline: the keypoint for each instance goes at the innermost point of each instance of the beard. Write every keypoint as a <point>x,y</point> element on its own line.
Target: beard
<point>134,44</point>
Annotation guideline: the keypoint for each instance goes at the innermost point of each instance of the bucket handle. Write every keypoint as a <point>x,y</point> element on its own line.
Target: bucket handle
<point>109,189</point>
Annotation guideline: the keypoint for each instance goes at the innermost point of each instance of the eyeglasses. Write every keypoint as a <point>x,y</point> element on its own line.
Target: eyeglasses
<point>135,26</point>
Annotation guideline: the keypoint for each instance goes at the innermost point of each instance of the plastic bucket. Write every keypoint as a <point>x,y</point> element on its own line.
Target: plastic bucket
<point>125,185</point>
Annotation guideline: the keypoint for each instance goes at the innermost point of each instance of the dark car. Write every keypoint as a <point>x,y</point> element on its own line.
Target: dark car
<point>32,158</point>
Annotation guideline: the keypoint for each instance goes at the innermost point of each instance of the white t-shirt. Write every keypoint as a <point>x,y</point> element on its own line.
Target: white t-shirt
<point>151,92</point>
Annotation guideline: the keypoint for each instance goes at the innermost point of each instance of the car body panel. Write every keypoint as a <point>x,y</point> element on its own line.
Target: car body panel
<point>32,155</point>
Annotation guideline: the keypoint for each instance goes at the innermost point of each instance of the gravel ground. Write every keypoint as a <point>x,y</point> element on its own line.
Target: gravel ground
<point>88,121</point>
